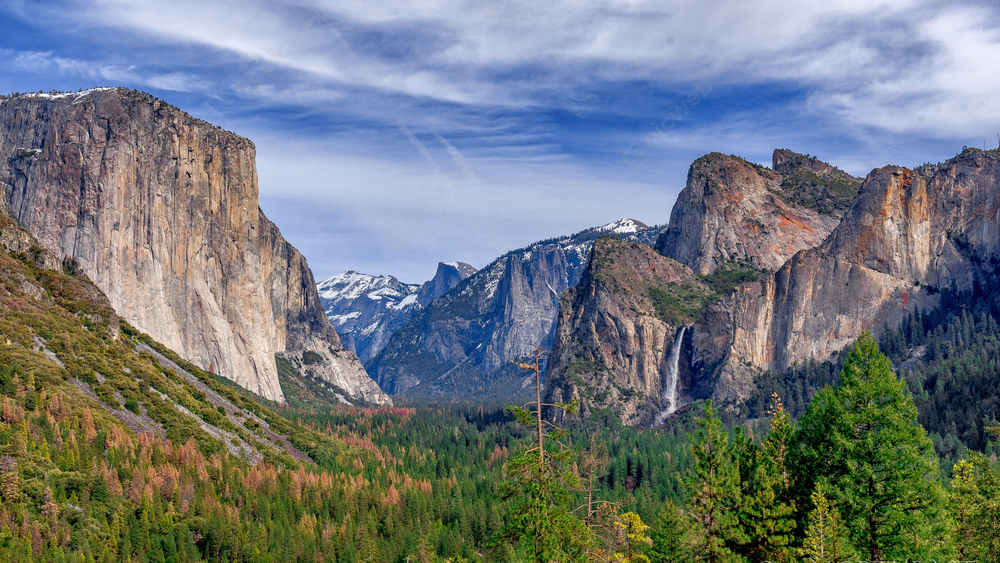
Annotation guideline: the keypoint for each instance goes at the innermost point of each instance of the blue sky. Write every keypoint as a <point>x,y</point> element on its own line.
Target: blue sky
<point>395,134</point>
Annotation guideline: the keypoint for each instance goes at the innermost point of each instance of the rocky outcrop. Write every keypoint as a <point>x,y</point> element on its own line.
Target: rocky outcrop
<point>462,343</point>
<point>160,210</point>
<point>16,239</point>
<point>907,234</point>
<point>814,184</point>
<point>617,329</point>
<point>734,211</point>
<point>448,275</point>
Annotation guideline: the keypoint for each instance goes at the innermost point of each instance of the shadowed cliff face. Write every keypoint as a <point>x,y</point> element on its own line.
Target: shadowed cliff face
<point>160,209</point>
<point>616,330</point>
<point>731,210</point>
<point>463,342</point>
<point>907,234</point>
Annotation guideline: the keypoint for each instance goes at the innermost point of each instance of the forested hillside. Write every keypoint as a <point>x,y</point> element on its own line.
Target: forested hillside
<point>113,448</point>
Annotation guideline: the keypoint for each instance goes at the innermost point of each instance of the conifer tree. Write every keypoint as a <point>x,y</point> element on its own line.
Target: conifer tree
<point>538,493</point>
<point>766,515</point>
<point>881,467</point>
<point>668,535</point>
<point>713,492</point>
<point>825,540</point>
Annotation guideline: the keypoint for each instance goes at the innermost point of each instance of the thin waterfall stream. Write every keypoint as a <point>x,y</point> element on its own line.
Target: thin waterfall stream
<point>670,383</point>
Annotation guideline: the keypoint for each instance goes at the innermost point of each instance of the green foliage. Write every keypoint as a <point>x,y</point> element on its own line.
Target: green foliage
<point>669,535</point>
<point>713,485</point>
<point>539,487</point>
<point>679,304</point>
<point>730,275</point>
<point>862,438</point>
<point>766,513</point>
<point>310,358</point>
<point>826,194</point>
<point>825,540</point>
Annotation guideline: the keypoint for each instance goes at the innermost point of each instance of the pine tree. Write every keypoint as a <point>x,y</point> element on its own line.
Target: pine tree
<point>883,473</point>
<point>538,493</point>
<point>966,500</point>
<point>825,541</point>
<point>713,489</point>
<point>668,535</point>
<point>766,515</point>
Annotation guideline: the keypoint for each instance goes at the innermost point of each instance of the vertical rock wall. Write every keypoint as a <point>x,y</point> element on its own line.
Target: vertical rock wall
<point>160,209</point>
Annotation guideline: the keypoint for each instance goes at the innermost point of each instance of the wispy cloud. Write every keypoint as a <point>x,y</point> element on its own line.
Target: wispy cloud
<point>530,103</point>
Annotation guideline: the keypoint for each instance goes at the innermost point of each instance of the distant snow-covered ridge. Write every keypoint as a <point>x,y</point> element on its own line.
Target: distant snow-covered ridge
<point>501,313</point>
<point>366,309</point>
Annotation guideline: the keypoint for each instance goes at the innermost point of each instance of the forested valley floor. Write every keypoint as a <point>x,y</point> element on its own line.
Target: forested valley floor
<point>112,448</point>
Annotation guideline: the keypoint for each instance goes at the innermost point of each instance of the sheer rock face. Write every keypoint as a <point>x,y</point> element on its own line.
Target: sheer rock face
<point>611,349</point>
<point>732,210</point>
<point>907,234</point>
<point>463,341</point>
<point>160,210</point>
<point>447,276</point>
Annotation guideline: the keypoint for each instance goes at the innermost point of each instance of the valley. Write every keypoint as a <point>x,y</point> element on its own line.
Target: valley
<point>177,386</point>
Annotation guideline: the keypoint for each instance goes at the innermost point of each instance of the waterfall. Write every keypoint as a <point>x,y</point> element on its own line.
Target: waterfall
<point>670,383</point>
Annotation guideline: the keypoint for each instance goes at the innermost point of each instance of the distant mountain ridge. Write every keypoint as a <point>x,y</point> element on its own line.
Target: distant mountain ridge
<point>787,289</point>
<point>366,310</point>
<point>463,342</point>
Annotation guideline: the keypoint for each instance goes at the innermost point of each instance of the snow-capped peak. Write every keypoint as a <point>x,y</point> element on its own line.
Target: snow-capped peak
<point>350,285</point>
<point>623,227</point>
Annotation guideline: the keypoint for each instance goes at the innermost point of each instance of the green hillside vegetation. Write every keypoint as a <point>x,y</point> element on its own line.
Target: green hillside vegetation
<point>828,194</point>
<point>684,303</point>
<point>113,448</point>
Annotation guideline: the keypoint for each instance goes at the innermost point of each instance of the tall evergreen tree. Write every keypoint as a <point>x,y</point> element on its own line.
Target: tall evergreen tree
<point>668,535</point>
<point>765,513</point>
<point>883,473</point>
<point>713,492</point>
<point>825,541</point>
<point>539,490</point>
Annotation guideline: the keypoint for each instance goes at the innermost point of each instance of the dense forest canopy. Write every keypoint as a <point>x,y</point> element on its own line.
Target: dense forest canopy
<point>112,448</point>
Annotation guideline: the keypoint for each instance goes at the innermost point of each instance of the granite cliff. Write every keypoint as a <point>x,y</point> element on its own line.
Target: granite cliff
<point>734,211</point>
<point>618,329</point>
<point>160,210</point>
<point>908,234</point>
<point>462,343</point>
<point>905,236</point>
<point>447,276</point>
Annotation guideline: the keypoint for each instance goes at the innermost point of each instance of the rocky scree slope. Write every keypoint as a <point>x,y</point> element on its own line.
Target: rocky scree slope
<point>617,330</point>
<point>462,343</point>
<point>908,234</point>
<point>735,211</point>
<point>160,210</point>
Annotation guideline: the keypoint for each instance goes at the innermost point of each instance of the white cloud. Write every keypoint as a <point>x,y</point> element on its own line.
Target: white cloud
<point>876,64</point>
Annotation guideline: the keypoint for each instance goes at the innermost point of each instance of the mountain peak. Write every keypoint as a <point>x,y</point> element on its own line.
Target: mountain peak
<point>448,275</point>
<point>623,227</point>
